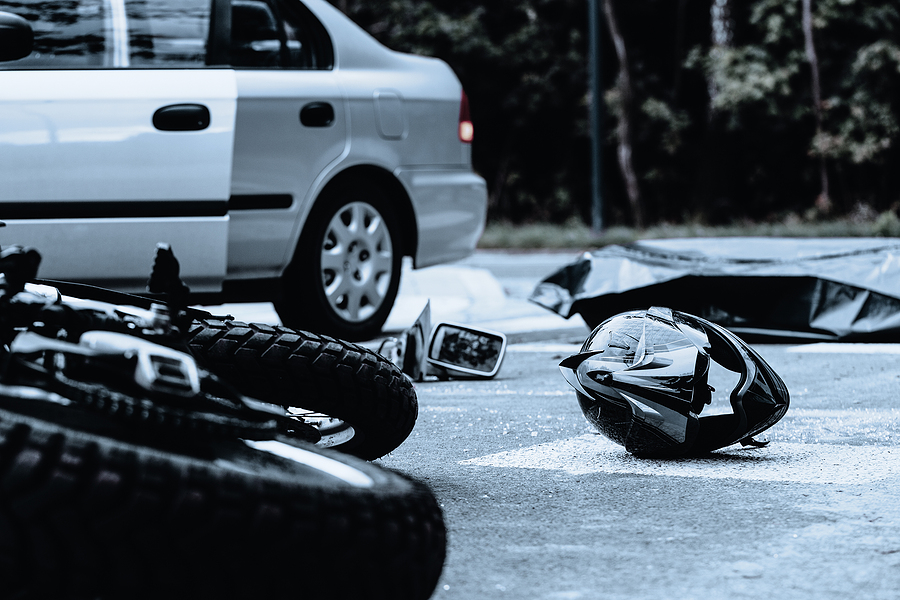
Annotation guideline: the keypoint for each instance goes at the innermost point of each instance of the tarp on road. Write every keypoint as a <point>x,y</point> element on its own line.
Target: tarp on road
<point>769,289</point>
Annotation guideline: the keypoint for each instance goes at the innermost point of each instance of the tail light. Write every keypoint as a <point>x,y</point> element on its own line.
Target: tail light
<point>466,129</point>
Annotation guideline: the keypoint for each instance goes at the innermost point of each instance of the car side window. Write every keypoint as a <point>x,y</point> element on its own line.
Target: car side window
<point>277,34</point>
<point>257,37</point>
<point>91,34</point>
<point>66,34</point>
<point>168,32</point>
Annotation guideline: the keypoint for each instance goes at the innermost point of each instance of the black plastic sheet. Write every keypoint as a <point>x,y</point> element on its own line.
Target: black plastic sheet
<point>768,289</point>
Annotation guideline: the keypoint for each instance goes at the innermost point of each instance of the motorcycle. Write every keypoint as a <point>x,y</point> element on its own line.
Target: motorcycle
<point>360,402</point>
<point>127,470</point>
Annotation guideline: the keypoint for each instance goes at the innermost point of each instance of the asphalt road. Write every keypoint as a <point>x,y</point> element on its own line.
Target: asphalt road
<point>539,506</point>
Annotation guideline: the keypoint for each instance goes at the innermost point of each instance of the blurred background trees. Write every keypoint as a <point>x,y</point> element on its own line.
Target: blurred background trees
<point>724,121</point>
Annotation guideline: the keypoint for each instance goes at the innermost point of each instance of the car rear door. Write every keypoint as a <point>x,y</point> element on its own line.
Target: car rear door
<point>115,135</point>
<point>291,126</point>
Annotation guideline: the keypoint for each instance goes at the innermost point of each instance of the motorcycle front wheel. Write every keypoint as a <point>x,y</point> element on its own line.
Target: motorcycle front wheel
<point>360,401</point>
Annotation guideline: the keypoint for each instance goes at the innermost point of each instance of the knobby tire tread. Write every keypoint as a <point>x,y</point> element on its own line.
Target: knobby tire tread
<point>86,516</point>
<point>316,372</point>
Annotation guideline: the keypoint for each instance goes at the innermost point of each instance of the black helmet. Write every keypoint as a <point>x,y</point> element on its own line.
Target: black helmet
<point>641,379</point>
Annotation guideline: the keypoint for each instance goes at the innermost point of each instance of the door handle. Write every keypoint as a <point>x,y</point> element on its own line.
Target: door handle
<point>181,117</point>
<point>317,114</point>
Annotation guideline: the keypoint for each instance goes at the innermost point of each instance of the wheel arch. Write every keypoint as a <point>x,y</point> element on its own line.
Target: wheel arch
<point>355,175</point>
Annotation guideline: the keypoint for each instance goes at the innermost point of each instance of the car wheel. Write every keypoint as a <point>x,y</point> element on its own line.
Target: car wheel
<point>344,277</point>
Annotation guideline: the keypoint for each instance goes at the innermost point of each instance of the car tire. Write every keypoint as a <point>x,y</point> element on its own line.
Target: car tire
<point>93,514</point>
<point>299,369</point>
<point>345,275</point>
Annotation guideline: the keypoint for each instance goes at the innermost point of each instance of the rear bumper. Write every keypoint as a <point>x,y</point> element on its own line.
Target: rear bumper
<point>450,207</point>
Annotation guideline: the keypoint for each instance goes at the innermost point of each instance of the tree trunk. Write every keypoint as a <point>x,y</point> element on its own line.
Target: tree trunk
<point>717,191</point>
<point>722,36</point>
<point>623,130</point>
<point>497,201</point>
<point>679,49</point>
<point>824,200</point>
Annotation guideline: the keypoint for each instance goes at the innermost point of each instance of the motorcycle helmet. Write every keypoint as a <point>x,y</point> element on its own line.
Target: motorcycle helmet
<point>642,379</point>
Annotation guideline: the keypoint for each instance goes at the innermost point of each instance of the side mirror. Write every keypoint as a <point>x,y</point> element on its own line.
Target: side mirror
<point>413,346</point>
<point>16,37</point>
<point>408,351</point>
<point>452,350</point>
<point>460,350</point>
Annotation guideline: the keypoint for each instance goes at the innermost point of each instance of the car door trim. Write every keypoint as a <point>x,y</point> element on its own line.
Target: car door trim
<point>46,210</point>
<point>146,209</point>
<point>260,201</point>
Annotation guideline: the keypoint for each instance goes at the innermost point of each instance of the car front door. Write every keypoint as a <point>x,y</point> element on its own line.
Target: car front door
<point>115,134</point>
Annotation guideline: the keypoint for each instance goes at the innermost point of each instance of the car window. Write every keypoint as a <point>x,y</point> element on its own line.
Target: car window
<point>257,37</point>
<point>71,34</point>
<point>168,32</point>
<point>278,34</point>
<point>113,33</point>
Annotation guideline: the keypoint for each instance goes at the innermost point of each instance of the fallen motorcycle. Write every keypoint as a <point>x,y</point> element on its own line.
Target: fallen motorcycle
<point>126,471</point>
<point>361,403</point>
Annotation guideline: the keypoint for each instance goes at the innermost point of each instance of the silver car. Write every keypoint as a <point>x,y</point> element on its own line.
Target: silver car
<point>282,152</point>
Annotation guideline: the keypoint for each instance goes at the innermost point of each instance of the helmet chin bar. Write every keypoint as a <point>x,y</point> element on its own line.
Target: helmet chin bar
<point>642,380</point>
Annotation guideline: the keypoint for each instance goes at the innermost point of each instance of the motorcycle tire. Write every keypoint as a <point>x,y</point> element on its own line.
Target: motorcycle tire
<point>372,406</point>
<point>91,513</point>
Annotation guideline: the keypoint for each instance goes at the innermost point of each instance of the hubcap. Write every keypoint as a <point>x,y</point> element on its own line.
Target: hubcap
<point>357,261</point>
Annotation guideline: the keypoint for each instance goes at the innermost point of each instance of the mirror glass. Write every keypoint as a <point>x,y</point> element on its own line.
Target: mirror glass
<point>465,349</point>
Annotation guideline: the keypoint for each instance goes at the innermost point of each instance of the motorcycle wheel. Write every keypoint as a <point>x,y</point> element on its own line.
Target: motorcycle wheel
<point>93,513</point>
<point>360,401</point>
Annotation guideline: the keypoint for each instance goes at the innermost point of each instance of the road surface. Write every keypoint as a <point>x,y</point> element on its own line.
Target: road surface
<point>539,506</point>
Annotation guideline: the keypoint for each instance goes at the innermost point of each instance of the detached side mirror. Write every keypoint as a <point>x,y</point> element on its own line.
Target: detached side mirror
<point>16,37</point>
<point>413,363</point>
<point>465,351</point>
<point>452,350</point>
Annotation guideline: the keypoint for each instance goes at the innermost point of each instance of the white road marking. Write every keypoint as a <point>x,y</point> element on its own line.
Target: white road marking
<point>873,415</point>
<point>780,461</point>
<point>842,348</point>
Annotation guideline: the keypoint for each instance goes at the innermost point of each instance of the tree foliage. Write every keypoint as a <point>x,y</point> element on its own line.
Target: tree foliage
<point>720,130</point>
